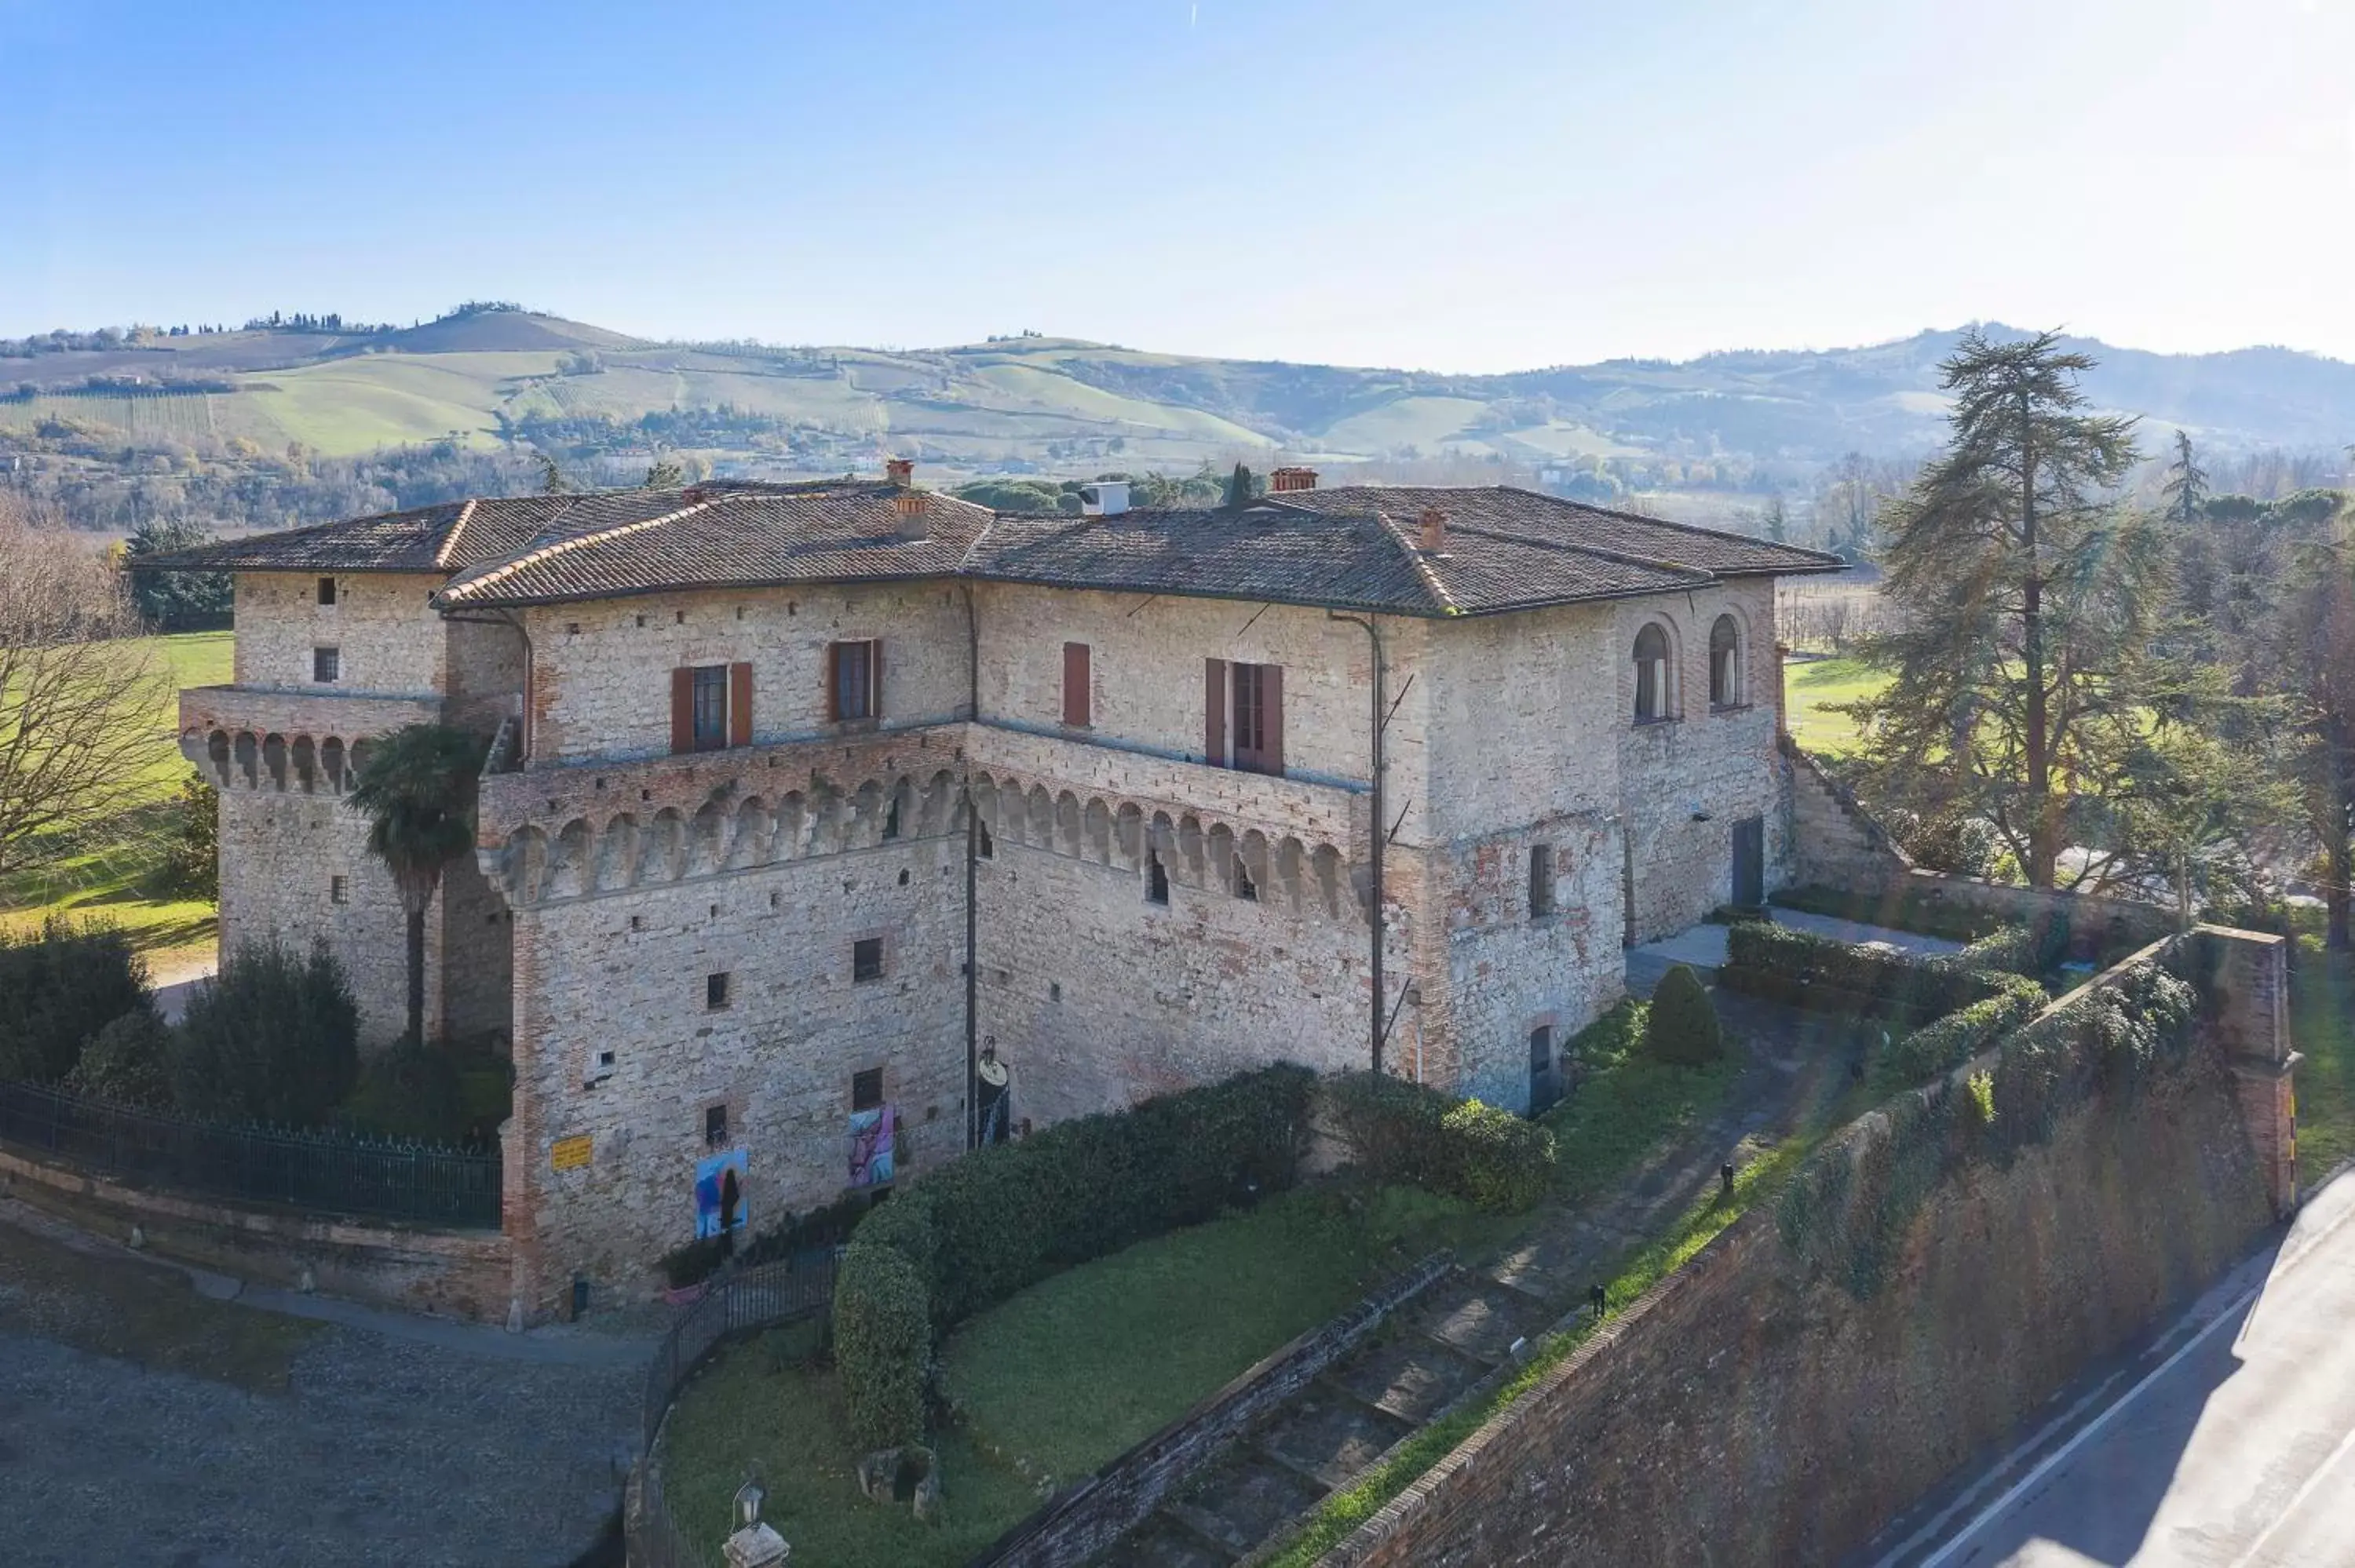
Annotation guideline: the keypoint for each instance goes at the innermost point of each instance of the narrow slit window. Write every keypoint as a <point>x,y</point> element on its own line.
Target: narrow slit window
<point>1157,878</point>
<point>1541,879</point>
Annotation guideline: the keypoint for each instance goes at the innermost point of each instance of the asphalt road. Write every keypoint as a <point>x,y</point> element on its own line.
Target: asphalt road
<point>2230,1444</point>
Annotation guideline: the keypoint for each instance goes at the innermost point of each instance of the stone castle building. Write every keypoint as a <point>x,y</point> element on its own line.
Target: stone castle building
<point>803,796</point>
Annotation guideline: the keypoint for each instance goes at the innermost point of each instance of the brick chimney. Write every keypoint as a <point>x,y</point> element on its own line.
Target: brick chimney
<point>898,471</point>
<point>1435,530</point>
<point>1285,479</point>
<point>912,505</point>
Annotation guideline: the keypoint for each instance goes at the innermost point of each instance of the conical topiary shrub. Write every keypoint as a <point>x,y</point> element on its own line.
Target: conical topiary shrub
<point>1681,1027</point>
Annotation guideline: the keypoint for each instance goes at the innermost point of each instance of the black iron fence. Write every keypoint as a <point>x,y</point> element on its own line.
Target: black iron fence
<point>326,1170</point>
<point>737,1303</point>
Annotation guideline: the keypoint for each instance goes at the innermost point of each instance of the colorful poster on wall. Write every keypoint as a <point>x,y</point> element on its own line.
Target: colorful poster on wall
<point>720,1196</point>
<point>871,1146</point>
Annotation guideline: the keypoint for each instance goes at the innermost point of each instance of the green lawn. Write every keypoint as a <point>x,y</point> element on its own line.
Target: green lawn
<point>1080,1367</point>
<point>106,875</point>
<point>1812,685</point>
<point>2322,1029</point>
<point>766,1406</point>
<point>1625,1106</point>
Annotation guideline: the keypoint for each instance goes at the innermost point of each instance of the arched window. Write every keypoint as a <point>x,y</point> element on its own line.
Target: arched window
<point>1653,697</point>
<point>1725,682</point>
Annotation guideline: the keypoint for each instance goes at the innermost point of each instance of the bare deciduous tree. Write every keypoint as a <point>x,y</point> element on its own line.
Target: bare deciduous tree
<point>79,689</point>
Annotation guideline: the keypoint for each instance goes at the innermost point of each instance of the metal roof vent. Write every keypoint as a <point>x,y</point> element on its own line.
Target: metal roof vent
<point>1105,498</point>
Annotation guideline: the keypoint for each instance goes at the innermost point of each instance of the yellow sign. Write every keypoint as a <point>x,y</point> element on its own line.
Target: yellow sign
<point>569,1153</point>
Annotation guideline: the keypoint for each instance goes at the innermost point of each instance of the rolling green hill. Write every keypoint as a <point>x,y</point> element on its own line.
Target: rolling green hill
<point>502,378</point>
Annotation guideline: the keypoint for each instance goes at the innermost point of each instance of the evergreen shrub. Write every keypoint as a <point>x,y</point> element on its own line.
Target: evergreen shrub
<point>274,1037</point>
<point>1682,1027</point>
<point>128,1062</point>
<point>883,1344</point>
<point>1945,1043</point>
<point>1407,1134</point>
<point>413,1092</point>
<point>60,987</point>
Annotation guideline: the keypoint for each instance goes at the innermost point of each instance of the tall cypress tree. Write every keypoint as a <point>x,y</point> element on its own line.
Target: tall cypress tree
<point>2030,598</point>
<point>1239,487</point>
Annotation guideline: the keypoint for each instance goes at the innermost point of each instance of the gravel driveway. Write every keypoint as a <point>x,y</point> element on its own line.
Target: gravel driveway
<point>142,1423</point>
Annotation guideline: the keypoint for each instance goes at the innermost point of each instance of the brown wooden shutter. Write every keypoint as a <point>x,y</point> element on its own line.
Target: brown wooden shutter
<point>875,679</point>
<point>682,709</point>
<point>1075,685</point>
<point>1271,721</point>
<point>740,704</point>
<point>833,682</point>
<point>1214,711</point>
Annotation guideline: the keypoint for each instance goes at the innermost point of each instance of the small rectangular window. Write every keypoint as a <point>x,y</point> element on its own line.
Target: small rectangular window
<point>1157,878</point>
<point>1541,879</point>
<point>853,694</point>
<point>714,992</point>
<point>710,698</point>
<point>339,890</point>
<point>1078,706</point>
<point>867,1089</point>
<point>715,1126</point>
<point>867,958</point>
<point>326,665</point>
<point>326,591</point>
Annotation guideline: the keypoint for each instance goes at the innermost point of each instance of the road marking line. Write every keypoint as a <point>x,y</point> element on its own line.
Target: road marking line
<point>1995,1510</point>
<point>2297,1500</point>
<point>2231,1312</point>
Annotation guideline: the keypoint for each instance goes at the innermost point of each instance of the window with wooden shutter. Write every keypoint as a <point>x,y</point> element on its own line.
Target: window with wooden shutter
<point>740,704</point>
<point>1077,706</point>
<point>682,709</point>
<point>1256,718</point>
<point>854,681</point>
<point>1214,711</point>
<point>708,707</point>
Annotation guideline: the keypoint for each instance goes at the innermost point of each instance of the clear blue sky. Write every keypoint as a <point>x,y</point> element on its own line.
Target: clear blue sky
<point>1459,187</point>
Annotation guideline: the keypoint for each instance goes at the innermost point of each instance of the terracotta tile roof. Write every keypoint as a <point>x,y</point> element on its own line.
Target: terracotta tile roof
<point>724,536</point>
<point>1352,547</point>
<point>1358,548</point>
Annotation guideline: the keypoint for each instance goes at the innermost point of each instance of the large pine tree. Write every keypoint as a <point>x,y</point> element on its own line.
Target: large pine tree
<point>2028,597</point>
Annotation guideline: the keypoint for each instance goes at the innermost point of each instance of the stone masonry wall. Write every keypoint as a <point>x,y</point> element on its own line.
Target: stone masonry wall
<point>602,693</point>
<point>1155,997</point>
<point>1687,781</point>
<point>279,854</point>
<point>389,639</point>
<point>624,972</point>
<point>1746,1411</point>
<point>1146,657</point>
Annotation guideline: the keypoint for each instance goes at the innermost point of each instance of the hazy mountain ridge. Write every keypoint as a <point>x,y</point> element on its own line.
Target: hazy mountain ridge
<point>518,378</point>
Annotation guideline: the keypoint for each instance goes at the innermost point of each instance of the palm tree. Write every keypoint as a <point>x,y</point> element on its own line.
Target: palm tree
<point>417,789</point>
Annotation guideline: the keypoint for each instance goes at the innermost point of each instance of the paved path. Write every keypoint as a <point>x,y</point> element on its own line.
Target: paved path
<point>211,1435</point>
<point>1703,946</point>
<point>2230,1444</point>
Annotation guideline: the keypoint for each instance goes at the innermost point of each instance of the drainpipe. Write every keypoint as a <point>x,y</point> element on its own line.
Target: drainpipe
<point>972,871</point>
<point>1375,1023</point>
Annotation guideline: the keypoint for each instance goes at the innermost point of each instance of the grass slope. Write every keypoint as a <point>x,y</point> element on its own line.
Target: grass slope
<point>1813,686</point>
<point>106,876</point>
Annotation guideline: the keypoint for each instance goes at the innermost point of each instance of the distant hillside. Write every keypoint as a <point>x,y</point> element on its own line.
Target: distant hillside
<point>488,375</point>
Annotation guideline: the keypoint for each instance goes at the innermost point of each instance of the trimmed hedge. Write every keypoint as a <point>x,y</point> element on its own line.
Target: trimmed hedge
<point>58,989</point>
<point>1409,1134</point>
<point>1808,971</point>
<point>1681,1027</point>
<point>985,1226</point>
<point>882,1345</point>
<point>1945,1043</point>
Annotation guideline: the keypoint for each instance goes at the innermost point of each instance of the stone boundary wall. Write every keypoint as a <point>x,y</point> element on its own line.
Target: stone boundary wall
<point>452,1274</point>
<point>1091,1515</point>
<point>1836,843</point>
<point>1745,1410</point>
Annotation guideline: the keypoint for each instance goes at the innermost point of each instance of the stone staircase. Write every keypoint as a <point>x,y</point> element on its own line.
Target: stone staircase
<point>1464,1333</point>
